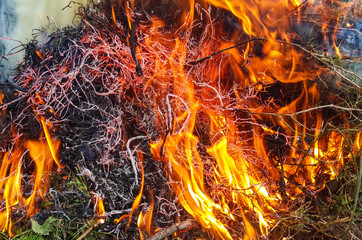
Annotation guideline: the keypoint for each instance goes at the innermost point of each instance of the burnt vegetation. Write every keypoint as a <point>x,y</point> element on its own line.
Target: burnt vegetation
<point>115,91</point>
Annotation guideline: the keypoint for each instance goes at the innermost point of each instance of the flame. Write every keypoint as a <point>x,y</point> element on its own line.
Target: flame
<point>38,155</point>
<point>42,154</point>
<point>331,13</point>
<point>244,176</point>
<point>53,144</point>
<point>99,207</point>
<point>10,186</point>
<point>140,225</point>
<point>40,55</point>
<point>358,141</point>
<point>129,6</point>
<point>114,16</point>
<point>145,220</point>
<point>215,117</point>
<point>2,111</point>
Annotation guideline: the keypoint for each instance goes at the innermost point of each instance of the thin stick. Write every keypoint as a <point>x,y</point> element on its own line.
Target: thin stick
<point>133,161</point>
<point>225,49</point>
<point>174,228</point>
<point>86,232</point>
<point>132,43</point>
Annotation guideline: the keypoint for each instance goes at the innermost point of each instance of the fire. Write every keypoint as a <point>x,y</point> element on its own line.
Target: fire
<point>244,176</point>
<point>2,111</point>
<point>53,144</point>
<point>144,221</point>
<point>38,155</point>
<point>237,121</point>
<point>23,152</point>
<point>99,207</point>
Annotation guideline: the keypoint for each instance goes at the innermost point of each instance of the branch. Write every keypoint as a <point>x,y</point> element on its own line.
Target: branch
<point>132,43</point>
<point>174,228</point>
<point>307,110</point>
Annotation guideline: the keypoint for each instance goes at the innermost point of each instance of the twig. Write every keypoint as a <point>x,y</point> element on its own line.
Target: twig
<point>163,142</point>
<point>324,233</point>
<point>133,161</point>
<point>132,43</point>
<point>174,228</point>
<point>308,110</point>
<point>339,220</point>
<point>71,2</point>
<point>20,219</point>
<point>86,232</point>
<point>226,49</point>
<point>116,212</point>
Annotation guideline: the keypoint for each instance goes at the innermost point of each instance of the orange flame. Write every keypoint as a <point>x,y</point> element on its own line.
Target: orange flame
<point>239,166</point>
<point>99,207</point>
<point>228,172</point>
<point>11,173</point>
<point>114,16</point>
<point>40,55</point>
<point>2,111</point>
<point>145,220</point>
<point>38,155</point>
<point>53,144</point>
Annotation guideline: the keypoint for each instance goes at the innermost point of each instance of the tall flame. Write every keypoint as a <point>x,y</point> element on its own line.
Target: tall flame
<point>42,153</point>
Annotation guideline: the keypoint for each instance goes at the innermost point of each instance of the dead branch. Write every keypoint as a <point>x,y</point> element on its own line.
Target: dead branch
<point>174,228</point>
<point>132,42</point>
<point>86,232</point>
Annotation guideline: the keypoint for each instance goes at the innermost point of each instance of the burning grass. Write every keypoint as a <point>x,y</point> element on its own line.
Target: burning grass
<point>205,123</point>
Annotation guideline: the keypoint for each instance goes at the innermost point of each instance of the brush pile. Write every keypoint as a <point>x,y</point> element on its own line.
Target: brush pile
<point>145,111</point>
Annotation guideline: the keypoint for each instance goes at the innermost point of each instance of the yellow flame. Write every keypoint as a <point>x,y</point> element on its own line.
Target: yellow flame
<point>11,174</point>
<point>145,220</point>
<point>99,207</point>
<point>53,144</point>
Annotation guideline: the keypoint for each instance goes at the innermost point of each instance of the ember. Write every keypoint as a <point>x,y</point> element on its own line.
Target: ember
<point>219,101</point>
